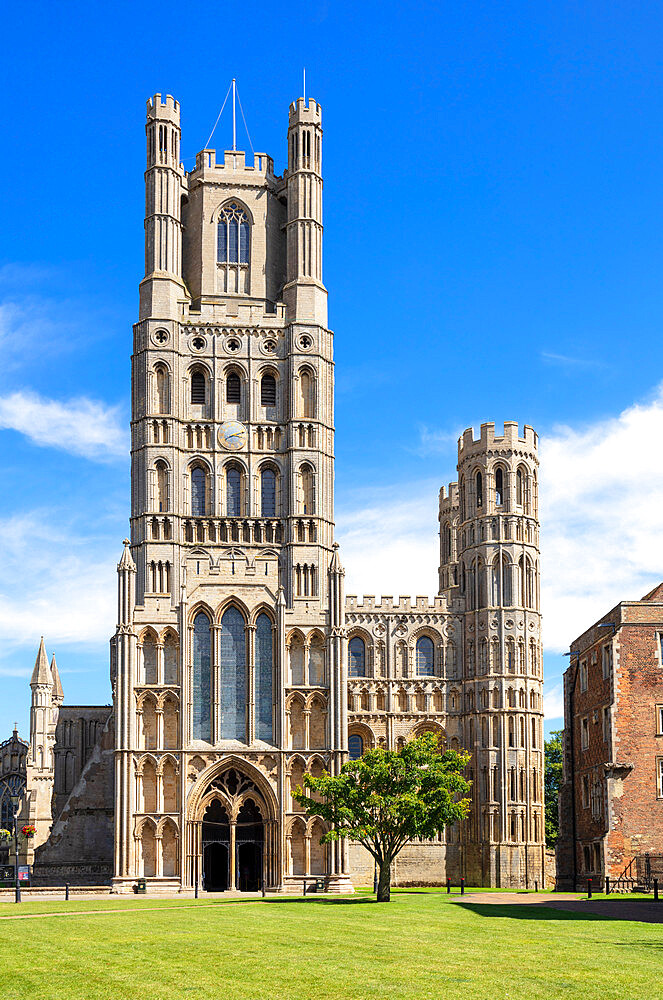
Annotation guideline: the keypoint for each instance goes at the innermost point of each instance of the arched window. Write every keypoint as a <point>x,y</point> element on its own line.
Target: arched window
<point>233,676</point>
<point>519,487</point>
<point>355,746</point>
<point>268,493</point>
<point>425,656</point>
<point>499,486</point>
<point>163,394</point>
<point>202,677</point>
<point>306,393</point>
<point>356,657</point>
<point>232,246</point>
<point>307,488</point>
<point>198,387</point>
<point>263,678</point>
<point>479,489</point>
<point>198,492</point>
<point>233,491</point>
<point>162,486</point>
<point>268,391</point>
<point>233,388</point>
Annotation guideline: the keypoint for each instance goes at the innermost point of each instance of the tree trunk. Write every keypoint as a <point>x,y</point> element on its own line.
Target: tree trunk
<point>384,883</point>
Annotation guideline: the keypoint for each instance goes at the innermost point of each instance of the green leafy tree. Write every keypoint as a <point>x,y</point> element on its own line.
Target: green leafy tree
<point>554,756</point>
<point>389,797</point>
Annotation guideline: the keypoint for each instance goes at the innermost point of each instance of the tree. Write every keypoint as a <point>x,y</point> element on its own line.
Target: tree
<point>554,756</point>
<point>389,797</point>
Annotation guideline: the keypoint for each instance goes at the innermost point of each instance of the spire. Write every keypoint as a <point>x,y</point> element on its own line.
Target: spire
<point>126,562</point>
<point>58,693</point>
<point>335,565</point>
<point>41,673</point>
<point>280,598</point>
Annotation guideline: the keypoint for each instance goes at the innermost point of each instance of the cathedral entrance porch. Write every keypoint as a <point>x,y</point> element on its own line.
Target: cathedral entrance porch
<point>234,843</point>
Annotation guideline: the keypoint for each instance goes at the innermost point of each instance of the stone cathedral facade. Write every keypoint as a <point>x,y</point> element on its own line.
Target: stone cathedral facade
<point>238,662</point>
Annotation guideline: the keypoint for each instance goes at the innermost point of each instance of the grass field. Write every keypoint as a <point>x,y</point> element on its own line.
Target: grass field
<point>418,947</point>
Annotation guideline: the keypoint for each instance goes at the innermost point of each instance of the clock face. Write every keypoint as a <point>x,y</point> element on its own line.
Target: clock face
<point>232,435</point>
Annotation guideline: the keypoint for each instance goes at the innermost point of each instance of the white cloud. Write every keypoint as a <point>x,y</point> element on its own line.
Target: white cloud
<point>602,514</point>
<point>80,426</point>
<point>553,702</point>
<point>389,542</point>
<point>57,581</point>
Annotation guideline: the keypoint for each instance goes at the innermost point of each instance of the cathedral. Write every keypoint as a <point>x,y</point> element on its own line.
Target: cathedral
<point>238,662</point>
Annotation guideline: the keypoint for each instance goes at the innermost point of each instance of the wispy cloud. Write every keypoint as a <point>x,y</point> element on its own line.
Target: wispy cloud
<point>79,426</point>
<point>553,702</point>
<point>566,361</point>
<point>58,580</point>
<point>433,441</point>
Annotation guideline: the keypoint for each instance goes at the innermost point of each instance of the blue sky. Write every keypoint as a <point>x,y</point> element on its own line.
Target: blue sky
<point>493,250</point>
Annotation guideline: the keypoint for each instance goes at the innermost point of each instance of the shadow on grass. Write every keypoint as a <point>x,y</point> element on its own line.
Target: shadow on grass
<point>530,911</point>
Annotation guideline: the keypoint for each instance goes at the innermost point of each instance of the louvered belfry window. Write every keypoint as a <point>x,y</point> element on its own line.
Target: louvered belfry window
<point>268,391</point>
<point>233,388</point>
<point>198,388</point>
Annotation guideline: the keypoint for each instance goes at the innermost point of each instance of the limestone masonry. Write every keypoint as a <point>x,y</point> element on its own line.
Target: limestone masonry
<point>238,663</point>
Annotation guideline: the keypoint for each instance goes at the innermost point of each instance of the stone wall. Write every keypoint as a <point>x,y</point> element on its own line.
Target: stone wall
<point>80,847</point>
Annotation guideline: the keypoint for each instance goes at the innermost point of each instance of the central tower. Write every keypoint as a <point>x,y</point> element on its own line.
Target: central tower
<point>227,665</point>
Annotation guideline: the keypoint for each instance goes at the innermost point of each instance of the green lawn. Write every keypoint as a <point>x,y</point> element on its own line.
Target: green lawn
<point>418,947</point>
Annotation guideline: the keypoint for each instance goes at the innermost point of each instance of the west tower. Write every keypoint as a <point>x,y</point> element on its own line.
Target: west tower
<point>228,661</point>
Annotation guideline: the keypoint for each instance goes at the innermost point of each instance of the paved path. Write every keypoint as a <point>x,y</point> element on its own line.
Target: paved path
<point>620,908</point>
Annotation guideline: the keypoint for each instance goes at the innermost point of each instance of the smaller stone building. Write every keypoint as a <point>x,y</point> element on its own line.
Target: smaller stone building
<point>611,798</point>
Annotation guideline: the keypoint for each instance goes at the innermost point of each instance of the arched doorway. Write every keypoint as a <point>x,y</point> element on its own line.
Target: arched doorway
<point>216,848</point>
<point>236,834</point>
<point>250,837</point>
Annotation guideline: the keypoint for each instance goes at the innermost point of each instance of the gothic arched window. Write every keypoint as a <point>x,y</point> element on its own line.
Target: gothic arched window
<point>233,492</point>
<point>198,492</point>
<point>499,486</point>
<point>268,493</point>
<point>356,657</point>
<point>232,246</point>
<point>233,676</point>
<point>162,486</point>
<point>479,489</point>
<point>202,677</point>
<point>307,489</point>
<point>425,656</point>
<point>263,678</point>
<point>355,746</point>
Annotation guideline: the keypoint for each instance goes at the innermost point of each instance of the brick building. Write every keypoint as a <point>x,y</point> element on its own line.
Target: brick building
<point>611,798</point>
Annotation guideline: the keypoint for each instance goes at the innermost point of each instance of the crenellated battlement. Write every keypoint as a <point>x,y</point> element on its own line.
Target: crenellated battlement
<point>234,161</point>
<point>305,114</point>
<point>403,605</point>
<point>164,110</point>
<point>448,501</point>
<point>509,440</point>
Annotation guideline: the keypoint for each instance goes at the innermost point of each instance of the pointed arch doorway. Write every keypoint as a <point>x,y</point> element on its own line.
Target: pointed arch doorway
<point>237,835</point>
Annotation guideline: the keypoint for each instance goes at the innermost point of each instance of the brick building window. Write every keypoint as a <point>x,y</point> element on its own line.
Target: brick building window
<point>659,720</point>
<point>583,675</point>
<point>585,791</point>
<point>584,733</point>
<point>660,647</point>
<point>659,777</point>
<point>606,723</point>
<point>607,662</point>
